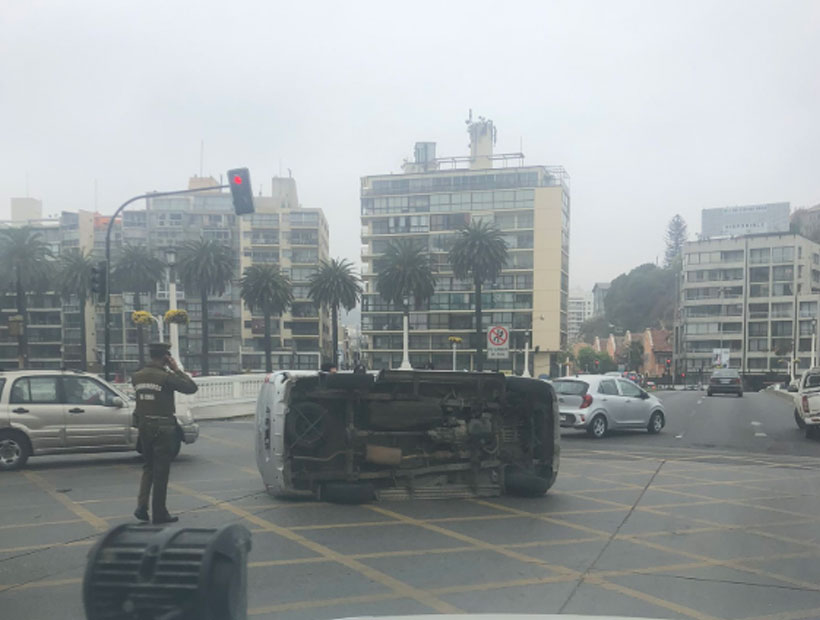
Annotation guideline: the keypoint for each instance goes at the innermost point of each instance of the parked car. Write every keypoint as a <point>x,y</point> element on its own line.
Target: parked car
<point>725,381</point>
<point>599,403</point>
<point>66,412</point>
<point>352,438</point>
<point>807,401</point>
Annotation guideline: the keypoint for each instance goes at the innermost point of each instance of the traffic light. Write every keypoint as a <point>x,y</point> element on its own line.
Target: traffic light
<point>98,278</point>
<point>668,363</point>
<point>597,364</point>
<point>240,181</point>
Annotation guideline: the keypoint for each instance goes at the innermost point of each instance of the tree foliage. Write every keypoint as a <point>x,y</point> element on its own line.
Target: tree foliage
<point>27,265</point>
<point>266,289</point>
<point>596,326</point>
<point>676,235</point>
<point>644,297</point>
<point>479,253</point>
<point>205,265</point>
<point>586,361</point>
<point>407,272</point>
<point>333,285</point>
<point>74,278</point>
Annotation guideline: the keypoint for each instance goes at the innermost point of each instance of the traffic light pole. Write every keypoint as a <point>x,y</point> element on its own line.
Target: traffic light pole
<point>107,358</point>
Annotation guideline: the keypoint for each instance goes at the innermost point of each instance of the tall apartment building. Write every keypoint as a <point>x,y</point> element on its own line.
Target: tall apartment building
<point>745,220</point>
<point>53,321</point>
<point>429,202</point>
<point>757,296</point>
<point>579,309</point>
<point>281,231</point>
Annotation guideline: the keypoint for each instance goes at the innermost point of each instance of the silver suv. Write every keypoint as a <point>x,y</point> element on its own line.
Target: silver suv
<point>599,403</point>
<point>65,412</point>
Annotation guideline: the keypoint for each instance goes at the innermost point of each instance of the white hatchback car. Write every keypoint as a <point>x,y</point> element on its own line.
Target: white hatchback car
<point>599,403</point>
<point>68,412</point>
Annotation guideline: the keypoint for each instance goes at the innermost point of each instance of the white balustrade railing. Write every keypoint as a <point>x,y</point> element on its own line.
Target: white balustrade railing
<point>239,390</point>
<point>226,389</point>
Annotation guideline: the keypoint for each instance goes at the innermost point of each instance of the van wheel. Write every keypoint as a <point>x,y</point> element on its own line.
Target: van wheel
<point>524,484</point>
<point>347,492</point>
<point>14,450</point>
<point>801,423</point>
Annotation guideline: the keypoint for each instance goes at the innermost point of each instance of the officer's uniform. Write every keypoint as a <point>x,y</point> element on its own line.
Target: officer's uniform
<point>155,386</point>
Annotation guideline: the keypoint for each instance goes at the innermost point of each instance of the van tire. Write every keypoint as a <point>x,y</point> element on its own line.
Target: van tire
<point>15,448</point>
<point>347,492</point>
<point>525,484</point>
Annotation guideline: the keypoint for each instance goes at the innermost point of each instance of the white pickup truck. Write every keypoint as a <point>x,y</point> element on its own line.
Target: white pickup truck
<point>807,402</point>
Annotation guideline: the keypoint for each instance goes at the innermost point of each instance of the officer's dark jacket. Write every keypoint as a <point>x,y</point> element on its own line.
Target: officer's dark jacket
<point>155,387</point>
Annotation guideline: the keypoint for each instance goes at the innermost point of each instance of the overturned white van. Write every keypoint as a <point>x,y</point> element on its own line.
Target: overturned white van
<point>353,438</point>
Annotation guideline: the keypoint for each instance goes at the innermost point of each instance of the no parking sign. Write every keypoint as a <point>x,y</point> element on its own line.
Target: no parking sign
<point>498,343</point>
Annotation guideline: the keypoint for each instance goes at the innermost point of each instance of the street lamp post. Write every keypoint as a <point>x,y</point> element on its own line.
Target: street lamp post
<point>813,342</point>
<point>526,372</point>
<point>171,260</point>
<point>454,340</point>
<point>405,356</point>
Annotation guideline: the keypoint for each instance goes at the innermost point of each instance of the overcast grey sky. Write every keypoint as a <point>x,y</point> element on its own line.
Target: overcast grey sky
<point>654,108</point>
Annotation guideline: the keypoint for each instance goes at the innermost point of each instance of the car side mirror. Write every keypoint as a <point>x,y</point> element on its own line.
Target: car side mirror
<point>644,395</point>
<point>792,388</point>
<point>117,402</point>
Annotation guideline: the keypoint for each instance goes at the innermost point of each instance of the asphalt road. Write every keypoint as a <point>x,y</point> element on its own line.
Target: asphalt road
<point>757,423</point>
<point>709,519</point>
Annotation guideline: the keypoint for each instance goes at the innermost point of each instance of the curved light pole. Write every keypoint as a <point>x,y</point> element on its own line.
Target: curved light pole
<point>107,359</point>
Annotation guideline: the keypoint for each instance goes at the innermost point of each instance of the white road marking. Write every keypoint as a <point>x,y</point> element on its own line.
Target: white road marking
<point>700,401</point>
<point>755,423</point>
<point>679,436</point>
<point>760,434</point>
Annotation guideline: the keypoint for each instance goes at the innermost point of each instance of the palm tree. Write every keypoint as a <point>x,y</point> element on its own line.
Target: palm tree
<point>407,272</point>
<point>207,266</point>
<point>480,253</point>
<point>137,271</point>
<point>25,257</point>
<point>333,285</point>
<point>75,279</point>
<point>265,288</point>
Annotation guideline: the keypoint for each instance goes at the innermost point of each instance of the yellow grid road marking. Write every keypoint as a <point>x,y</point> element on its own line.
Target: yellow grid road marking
<point>53,583</point>
<point>86,515</point>
<point>399,587</point>
<point>567,573</point>
<point>40,524</point>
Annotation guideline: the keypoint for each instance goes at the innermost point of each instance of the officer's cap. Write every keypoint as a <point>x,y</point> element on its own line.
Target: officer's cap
<point>159,349</point>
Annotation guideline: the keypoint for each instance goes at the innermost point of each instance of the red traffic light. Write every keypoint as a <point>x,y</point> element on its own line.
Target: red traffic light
<point>237,180</point>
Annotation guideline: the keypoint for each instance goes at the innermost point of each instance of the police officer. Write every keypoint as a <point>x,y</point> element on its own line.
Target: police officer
<point>155,385</point>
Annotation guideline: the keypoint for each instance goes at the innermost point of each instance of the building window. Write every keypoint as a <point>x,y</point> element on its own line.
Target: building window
<point>759,256</point>
<point>782,289</point>
<point>759,290</point>
<point>783,255</point>
<point>781,328</point>
<point>759,274</point>
<point>758,329</point>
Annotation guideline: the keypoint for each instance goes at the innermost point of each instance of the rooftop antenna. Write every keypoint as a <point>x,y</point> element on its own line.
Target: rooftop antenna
<point>201,156</point>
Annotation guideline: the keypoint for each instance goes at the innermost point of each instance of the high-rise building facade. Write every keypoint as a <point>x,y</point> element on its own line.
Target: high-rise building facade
<point>745,220</point>
<point>430,202</point>
<point>757,296</point>
<point>281,231</point>
<point>599,292</point>
<point>579,310</point>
